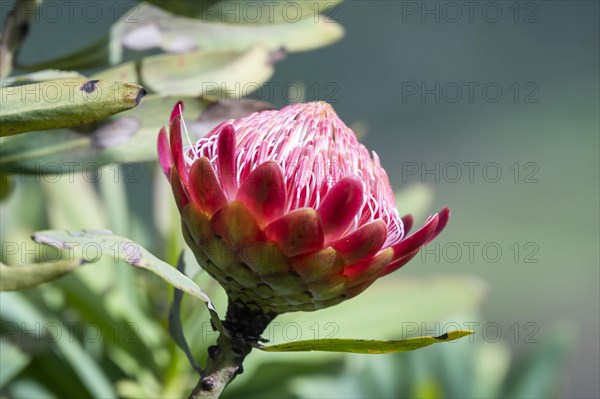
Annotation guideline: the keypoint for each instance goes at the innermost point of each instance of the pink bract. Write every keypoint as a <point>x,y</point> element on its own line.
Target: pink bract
<point>287,210</point>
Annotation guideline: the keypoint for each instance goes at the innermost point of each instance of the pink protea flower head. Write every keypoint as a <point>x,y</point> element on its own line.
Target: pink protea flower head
<point>287,210</point>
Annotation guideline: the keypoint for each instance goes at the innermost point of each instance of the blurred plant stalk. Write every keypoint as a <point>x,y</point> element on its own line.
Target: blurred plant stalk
<point>15,30</point>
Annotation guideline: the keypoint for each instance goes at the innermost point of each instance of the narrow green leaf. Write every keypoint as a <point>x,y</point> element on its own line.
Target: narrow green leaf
<point>6,186</point>
<point>130,137</point>
<point>63,103</point>
<point>12,362</point>
<point>30,388</point>
<point>490,366</point>
<point>415,300</point>
<point>175,326</point>
<point>123,249</point>
<point>67,210</point>
<point>365,346</point>
<point>14,307</point>
<point>15,278</point>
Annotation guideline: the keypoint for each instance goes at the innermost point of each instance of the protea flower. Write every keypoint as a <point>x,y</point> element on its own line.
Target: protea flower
<point>287,210</point>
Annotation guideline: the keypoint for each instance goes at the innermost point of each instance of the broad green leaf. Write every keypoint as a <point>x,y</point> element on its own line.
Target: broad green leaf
<point>177,34</point>
<point>21,277</point>
<point>94,55</point>
<point>41,76</point>
<point>222,74</point>
<point>364,346</point>
<point>130,137</point>
<point>219,73</point>
<point>258,12</point>
<point>125,250</point>
<point>183,7</point>
<point>63,103</point>
<point>148,27</point>
<point>255,12</point>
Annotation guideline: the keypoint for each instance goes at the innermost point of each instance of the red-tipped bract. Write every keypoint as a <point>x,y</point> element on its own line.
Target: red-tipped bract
<point>287,210</point>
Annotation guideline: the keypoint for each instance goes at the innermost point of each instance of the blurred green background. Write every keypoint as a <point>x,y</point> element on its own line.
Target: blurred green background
<point>541,133</point>
<point>559,134</point>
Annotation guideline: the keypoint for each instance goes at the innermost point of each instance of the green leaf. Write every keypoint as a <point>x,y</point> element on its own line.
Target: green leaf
<point>183,7</point>
<point>63,103</point>
<point>365,346</point>
<point>119,248</point>
<point>30,388</point>
<point>15,308</point>
<point>415,301</point>
<point>21,277</point>
<point>175,326</point>
<point>130,137</point>
<point>149,27</point>
<point>490,363</point>
<point>260,12</point>
<point>231,74</point>
<point>12,362</point>
<point>236,11</point>
<point>218,73</point>
<point>6,186</point>
<point>41,76</point>
<point>407,301</point>
<point>176,34</point>
<point>94,55</point>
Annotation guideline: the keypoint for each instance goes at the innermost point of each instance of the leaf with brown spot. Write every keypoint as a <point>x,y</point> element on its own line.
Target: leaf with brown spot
<point>63,103</point>
<point>130,137</point>
<point>127,251</point>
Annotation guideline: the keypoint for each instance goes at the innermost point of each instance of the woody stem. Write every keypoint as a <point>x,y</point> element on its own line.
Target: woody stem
<point>243,328</point>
